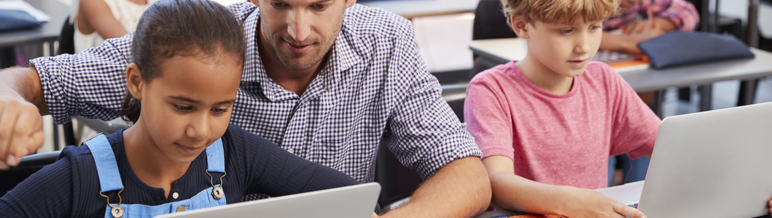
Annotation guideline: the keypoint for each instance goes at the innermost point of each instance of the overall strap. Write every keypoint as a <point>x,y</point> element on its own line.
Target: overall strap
<point>215,157</point>
<point>107,167</point>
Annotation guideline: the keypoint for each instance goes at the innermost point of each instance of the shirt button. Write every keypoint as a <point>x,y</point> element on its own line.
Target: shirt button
<point>291,150</point>
<point>175,195</point>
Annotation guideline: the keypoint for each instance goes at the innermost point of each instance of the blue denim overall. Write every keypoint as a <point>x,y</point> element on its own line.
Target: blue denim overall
<point>110,180</point>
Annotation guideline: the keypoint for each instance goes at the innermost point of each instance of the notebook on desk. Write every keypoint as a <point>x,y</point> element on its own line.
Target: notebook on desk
<point>622,62</point>
<point>357,201</point>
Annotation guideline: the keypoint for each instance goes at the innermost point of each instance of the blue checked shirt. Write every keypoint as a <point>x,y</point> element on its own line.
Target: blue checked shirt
<point>374,86</point>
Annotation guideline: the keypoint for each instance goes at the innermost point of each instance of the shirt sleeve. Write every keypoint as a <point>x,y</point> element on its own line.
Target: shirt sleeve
<point>47,193</point>
<point>422,131</point>
<point>680,12</point>
<point>488,120</point>
<point>270,170</point>
<point>635,126</point>
<point>91,83</point>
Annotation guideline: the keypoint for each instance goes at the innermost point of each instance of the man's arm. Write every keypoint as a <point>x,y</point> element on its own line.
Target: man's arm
<point>21,104</point>
<point>519,194</point>
<point>459,189</point>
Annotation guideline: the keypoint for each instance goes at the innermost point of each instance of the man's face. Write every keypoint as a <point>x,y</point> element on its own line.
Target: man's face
<point>301,32</point>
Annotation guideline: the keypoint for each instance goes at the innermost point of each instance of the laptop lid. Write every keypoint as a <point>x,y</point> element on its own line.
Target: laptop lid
<point>711,164</point>
<point>350,201</point>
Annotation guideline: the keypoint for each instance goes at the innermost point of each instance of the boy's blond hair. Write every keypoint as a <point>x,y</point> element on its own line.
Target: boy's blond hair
<point>553,11</point>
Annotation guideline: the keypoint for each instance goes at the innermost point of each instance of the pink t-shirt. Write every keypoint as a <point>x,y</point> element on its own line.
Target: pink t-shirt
<point>559,139</point>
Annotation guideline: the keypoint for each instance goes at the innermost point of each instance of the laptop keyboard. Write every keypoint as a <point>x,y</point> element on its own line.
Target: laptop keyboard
<point>634,205</point>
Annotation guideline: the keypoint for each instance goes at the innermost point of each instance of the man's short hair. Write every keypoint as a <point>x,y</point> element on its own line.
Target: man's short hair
<point>553,11</point>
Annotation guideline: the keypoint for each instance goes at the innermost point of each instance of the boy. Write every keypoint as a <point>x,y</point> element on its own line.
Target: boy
<point>669,15</point>
<point>548,124</point>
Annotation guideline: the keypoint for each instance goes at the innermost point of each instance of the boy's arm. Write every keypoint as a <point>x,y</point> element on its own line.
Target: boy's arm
<point>516,193</point>
<point>21,104</point>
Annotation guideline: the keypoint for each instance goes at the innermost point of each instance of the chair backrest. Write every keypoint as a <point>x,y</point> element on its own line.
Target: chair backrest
<point>490,22</point>
<point>66,38</point>
<point>455,96</point>
<point>27,166</point>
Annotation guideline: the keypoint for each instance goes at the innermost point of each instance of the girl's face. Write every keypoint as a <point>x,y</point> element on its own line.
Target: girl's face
<point>187,106</point>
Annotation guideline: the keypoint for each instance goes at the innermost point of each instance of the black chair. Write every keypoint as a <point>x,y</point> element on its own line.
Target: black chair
<point>27,166</point>
<point>397,181</point>
<point>763,43</point>
<point>489,23</point>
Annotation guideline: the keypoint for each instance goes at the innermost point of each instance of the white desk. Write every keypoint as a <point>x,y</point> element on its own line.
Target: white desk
<point>416,8</point>
<point>648,79</point>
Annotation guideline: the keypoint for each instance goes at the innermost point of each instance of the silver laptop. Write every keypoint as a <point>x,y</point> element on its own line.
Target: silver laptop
<point>351,201</point>
<point>711,164</point>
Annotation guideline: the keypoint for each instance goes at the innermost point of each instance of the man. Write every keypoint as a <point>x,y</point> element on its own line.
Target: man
<point>324,79</point>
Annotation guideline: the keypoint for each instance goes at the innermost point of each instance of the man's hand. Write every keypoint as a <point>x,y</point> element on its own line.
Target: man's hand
<point>21,130</point>
<point>590,203</point>
<point>21,103</point>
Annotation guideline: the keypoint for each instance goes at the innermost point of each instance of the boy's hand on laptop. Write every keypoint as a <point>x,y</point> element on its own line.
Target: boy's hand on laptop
<point>590,203</point>
<point>21,130</point>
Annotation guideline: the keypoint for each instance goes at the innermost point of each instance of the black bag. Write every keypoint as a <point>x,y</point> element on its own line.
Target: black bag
<point>682,48</point>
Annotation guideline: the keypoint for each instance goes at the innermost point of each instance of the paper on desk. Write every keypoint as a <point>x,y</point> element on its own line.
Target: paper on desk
<point>628,193</point>
<point>443,41</point>
<point>26,7</point>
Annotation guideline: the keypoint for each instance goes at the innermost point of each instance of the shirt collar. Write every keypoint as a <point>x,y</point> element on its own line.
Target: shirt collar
<point>343,56</point>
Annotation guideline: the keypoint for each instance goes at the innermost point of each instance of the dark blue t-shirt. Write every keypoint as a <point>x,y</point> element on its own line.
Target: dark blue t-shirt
<point>70,187</point>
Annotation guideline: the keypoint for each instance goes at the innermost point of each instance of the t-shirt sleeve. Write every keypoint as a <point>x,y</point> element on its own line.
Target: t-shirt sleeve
<point>488,118</point>
<point>270,170</point>
<point>634,124</point>
<point>91,83</point>
<point>46,193</point>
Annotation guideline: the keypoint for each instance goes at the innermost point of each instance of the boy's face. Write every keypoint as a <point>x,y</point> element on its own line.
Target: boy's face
<point>301,32</point>
<point>563,48</point>
<point>188,105</point>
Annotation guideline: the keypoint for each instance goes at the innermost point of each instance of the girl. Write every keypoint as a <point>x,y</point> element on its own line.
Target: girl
<point>180,154</point>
